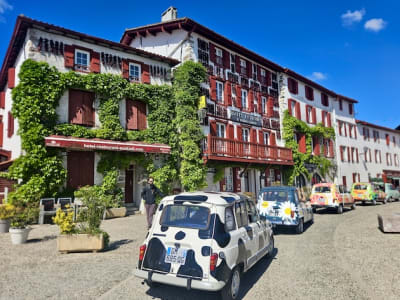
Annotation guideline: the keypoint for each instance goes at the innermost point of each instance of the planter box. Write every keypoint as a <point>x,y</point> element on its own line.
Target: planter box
<point>389,223</point>
<point>80,243</point>
<point>116,212</point>
<point>4,225</point>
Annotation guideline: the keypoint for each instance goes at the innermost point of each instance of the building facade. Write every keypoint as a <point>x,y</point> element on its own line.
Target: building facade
<point>68,50</point>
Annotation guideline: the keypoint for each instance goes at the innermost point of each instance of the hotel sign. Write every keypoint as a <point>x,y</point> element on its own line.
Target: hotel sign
<point>243,117</point>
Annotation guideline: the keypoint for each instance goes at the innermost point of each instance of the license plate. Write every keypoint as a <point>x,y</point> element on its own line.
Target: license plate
<point>176,256</point>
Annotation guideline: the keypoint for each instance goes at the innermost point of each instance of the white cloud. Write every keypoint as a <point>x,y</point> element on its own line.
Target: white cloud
<point>351,17</point>
<point>375,25</point>
<point>4,6</point>
<point>318,76</point>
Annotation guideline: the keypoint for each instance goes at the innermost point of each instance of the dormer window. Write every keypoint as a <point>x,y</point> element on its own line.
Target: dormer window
<point>82,60</point>
<point>134,72</point>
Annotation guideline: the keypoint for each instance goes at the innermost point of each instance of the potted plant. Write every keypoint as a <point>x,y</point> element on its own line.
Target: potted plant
<point>6,212</point>
<point>24,215</point>
<point>112,195</point>
<point>85,234</point>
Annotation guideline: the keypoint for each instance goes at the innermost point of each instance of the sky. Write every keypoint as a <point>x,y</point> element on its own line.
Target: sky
<point>350,47</point>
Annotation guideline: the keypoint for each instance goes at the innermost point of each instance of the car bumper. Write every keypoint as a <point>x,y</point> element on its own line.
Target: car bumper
<point>324,206</point>
<point>170,279</point>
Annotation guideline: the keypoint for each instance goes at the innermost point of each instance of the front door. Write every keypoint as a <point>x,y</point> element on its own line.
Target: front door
<point>128,186</point>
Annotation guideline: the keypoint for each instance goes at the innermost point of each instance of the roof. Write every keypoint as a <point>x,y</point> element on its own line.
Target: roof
<point>377,126</point>
<point>217,198</point>
<point>24,23</point>
<point>192,26</point>
<point>278,187</point>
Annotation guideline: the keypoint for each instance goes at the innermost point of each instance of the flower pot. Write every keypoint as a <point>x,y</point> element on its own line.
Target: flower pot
<point>4,225</point>
<point>80,243</point>
<point>19,235</point>
<point>116,212</point>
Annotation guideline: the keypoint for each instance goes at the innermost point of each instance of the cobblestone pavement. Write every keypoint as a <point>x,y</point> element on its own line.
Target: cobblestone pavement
<point>339,257</point>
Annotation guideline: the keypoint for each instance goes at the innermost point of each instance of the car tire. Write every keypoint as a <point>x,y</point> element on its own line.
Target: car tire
<point>374,202</point>
<point>384,201</point>
<point>339,209</point>
<point>312,218</point>
<point>152,284</point>
<point>232,288</point>
<point>363,203</point>
<point>271,247</point>
<point>300,227</point>
<point>353,207</point>
<point>314,210</point>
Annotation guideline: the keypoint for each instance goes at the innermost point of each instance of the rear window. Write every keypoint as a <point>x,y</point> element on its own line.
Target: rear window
<point>360,187</point>
<point>322,189</point>
<point>186,216</point>
<point>279,196</point>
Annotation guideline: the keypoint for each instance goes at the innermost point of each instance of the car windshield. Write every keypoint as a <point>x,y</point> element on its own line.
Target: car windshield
<point>360,187</point>
<point>186,216</point>
<point>322,189</point>
<point>280,196</point>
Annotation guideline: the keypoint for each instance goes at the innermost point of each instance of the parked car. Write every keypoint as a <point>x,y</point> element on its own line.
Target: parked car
<point>366,192</point>
<point>391,192</point>
<point>282,206</point>
<point>331,196</point>
<point>204,241</point>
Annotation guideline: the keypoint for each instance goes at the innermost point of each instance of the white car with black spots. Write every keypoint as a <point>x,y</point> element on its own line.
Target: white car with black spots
<point>204,241</point>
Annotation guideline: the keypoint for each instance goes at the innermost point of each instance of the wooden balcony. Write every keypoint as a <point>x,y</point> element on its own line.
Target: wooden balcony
<point>215,148</point>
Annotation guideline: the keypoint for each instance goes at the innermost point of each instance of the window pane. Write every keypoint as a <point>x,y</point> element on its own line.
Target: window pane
<point>187,216</point>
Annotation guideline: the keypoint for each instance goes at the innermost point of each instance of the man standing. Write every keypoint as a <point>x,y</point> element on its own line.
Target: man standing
<point>149,194</point>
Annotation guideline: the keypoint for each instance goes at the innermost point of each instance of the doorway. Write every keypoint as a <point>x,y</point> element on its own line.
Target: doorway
<point>129,186</point>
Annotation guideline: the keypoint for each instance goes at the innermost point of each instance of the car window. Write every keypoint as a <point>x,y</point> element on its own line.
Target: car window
<point>186,216</point>
<point>322,189</point>
<point>230,223</point>
<point>360,187</point>
<point>243,210</point>
<point>296,197</point>
<point>238,215</point>
<point>252,212</point>
<point>280,196</point>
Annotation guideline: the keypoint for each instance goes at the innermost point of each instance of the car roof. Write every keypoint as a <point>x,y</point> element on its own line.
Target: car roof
<point>216,198</point>
<point>278,188</point>
<point>324,184</point>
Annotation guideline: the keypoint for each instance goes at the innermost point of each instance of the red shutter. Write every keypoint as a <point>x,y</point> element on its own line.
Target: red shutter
<point>213,128</point>
<point>355,131</point>
<point>237,59</point>
<point>253,135</point>
<point>387,139</point>
<point>145,74</point>
<point>325,148</point>
<point>11,78</point>
<point>329,121</point>
<point>251,100</point>
<point>270,107</point>
<point>212,52</point>
<point>95,62</point>
<point>238,97</point>
<point>249,69</point>
<point>350,108</point>
<point>323,117</point>
<point>228,93</point>
<point>239,132</point>
<point>345,129</point>
<point>290,84</point>
<point>341,154</point>
<point>272,139</point>
<point>340,127</point>
<point>344,180</point>
<point>231,132</point>
<point>88,111</point>
<point>259,101</point>
<point>226,59</point>
<point>302,143</point>
<point>213,86</point>
<point>131,115</point>
<point>268,75</point>
<point>359,177</point>
<point>314,115</point>
<point>69,56</point>
<point>258,73</point>
<point>290,107</point>
<point>316,146</point>
<point>2,99</point>
<point>10,131</point>
<point>331,148</point>
<point>141,109</point>
<point>75,110</point>
<point>236,180</point>
<point>307,109</point>
<point>1,131</point>
<point>125,68</point>
<point>298,111</point>
<point>369,152</point>
<point>357,159</point>
<point>296,87</point>
<point>348,154</point>
<point>261,137</point>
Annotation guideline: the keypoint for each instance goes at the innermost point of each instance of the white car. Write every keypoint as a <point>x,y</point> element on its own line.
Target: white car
<point>204,241</point>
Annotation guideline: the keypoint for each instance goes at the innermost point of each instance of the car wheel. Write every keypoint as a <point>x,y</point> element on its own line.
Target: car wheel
<point>363,203</point>
<point>152,284</point>
<point>339,209</point>
<point>353,207</point>
<point>231,289</point>
<point>300,227</point>
<point>374,202</point>
<point>384,201</point>
<point>271,246</point>
<point>314,210</point>
<point>312,218</point>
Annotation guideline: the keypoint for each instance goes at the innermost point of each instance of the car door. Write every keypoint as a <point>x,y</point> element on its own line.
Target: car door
<point>301,206</point>
<point>255,224</point>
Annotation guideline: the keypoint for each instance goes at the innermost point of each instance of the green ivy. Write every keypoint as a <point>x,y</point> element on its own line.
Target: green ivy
<point>172,120</point>
<point>292,125</point>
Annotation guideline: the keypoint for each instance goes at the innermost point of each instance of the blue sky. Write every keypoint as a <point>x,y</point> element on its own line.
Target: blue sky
<point>351,47</point>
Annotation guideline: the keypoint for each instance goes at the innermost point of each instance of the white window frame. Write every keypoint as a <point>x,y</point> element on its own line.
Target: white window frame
<point>244,99</point>
<point>232,63</point>
<point>81,66</point>
<point>246,135</point>
<point>218,56</point>
<point>263,104</point>
<point>266,138</point>
<point>221,130</point>
<point>243,63</point>
<point>139,74</point>
<point>220,91</point>
<point>263,73</point>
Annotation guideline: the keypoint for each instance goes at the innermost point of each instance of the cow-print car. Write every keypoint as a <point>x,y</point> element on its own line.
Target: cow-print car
<point>204,241</point>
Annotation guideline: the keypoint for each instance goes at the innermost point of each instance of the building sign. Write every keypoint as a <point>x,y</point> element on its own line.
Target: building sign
<point>243,117</point>
<point>98,144</point>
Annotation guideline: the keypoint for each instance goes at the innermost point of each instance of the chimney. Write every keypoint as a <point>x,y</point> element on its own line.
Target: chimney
<point>170,14</point>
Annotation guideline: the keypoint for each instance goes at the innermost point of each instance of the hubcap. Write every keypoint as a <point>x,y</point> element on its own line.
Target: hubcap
<point>235,284</point>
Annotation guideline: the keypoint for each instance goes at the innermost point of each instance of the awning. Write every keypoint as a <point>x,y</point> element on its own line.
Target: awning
<point>69,142</point>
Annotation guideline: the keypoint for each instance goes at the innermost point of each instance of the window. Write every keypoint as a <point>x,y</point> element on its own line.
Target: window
<point>266,138</point>
<point>230,223</point>
<point>241,214</point>
<point>134,72</point>
<point>340,104</point>
<point>245,135</point>
<point>292,86</point>
<point>388,159</point>
<point>233,64</point>
<point>375,133</point>
<point>203,52</point>
<point>220,91</point>
<point>309,93</point>
<point>396,160</point>
<point>366,133</point>
<point>309,114</point>
<point>350,108</point>
<point>254,71</point>
<point>82,60</point>
<point>251,212</point>
<point>324,99</point>
<point>218,56</point>
<point>185,216</point>
<point>244,99</point>
<point>80,107</point>
<point>135,115</point>
<point>243,67</point>
<point>220,130</point>
<point>233,91</point>
<point>263,105</point>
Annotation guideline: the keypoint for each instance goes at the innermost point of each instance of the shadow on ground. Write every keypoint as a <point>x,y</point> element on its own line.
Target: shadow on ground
<point>116,244</point>
<point>45,238</point>
<point>248,280</point>
<point>290,229</point>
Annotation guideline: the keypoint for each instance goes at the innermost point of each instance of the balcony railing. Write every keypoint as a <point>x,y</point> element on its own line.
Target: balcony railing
<point>229,148</point>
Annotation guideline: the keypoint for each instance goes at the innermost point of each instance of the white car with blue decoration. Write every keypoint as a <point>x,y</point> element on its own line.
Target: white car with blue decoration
<point>204,241</point>
<point>282,206</point>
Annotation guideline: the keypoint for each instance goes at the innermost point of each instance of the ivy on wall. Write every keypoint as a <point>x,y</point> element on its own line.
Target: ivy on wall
<point>291,126</point>
<point>171,120</point>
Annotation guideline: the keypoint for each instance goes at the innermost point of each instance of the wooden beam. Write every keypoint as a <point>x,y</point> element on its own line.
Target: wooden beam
<point>164,29</point>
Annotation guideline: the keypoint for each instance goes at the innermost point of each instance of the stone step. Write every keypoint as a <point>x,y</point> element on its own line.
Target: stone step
<point>389,223</point>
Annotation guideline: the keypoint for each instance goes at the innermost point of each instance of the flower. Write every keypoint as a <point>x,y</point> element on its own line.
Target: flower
<point>286,211</point>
